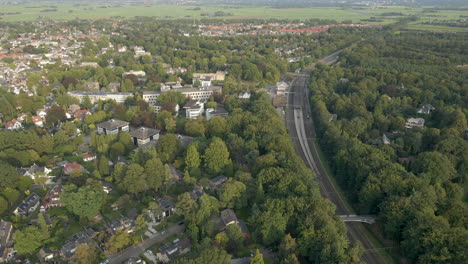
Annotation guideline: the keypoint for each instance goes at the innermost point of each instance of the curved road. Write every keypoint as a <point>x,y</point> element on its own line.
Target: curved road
<point>298,119</point>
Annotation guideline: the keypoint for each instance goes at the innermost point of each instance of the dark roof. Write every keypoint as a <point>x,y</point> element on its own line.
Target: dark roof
<point>192,104</point>
<point>32,170</point>
<point>228,216</point>
<point>112,124</point>
<point>144,132</point>
<point>29,202</point>
<point>218,180</point>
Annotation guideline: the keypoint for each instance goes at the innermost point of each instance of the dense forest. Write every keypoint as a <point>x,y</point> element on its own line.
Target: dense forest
<point>413,177</point>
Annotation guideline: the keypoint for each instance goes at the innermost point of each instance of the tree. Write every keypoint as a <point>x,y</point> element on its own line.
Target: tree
<point>192,158</point>
<point>216,155</point>
<point>3,205</point>
<point>85,253</point>
<point>287,246</point>
<point>54,115</point>
<point>257,258</point>
<point>87,104</point>
<point>217,127</point>
<point>194,128</point>
<point>118,241</point>
<point>157,175</point>
<point>10,194</point>
<point>28,240</point>
<point>43,226</point>
<point>117,149</point>
<point>85,202</point>
<point>103,166</point>
<point>232,193</point>
<point>236,238</point>
<point>168,146</point>
<point>135,179</point>
<point>8,175</point>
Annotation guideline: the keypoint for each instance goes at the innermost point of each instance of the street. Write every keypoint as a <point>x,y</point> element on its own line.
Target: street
<point>302,132</point>
<point>136,250</point>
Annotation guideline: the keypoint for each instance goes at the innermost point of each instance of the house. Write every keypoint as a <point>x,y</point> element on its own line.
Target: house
<point>21,117</point>
<point>70,167</point>
<point>244,95</point>
<point>13,125</point>
<point>46,255</point>
<point>332,117</point>
<point>384,140</point>
<point>52,199</point>
<point>136,73</point>
<point>42,113</point>
<point>414,122</point>
<point>204,81</point>
<point>281,88</point>
<point>219,111</point>
<point>6,229</point>
<point>426,109</point>
<point>73,108</point>
<point>144,135</point>
<point>217,182</point>
<point>89,157</point>
<point>81,114</point>
<point>67,252</point>
<point>113,87</point>
<point>34,171</point>
<point>193,109</point>
<point>123,224</point>
<point>112,127</point>
<point>28,206</point>
<point>197,192</point>
<point>175,248</point>
<point>92,86</point>
<point>166,209</point>
<point>106,187</point>
<point>37,120</point>
<point>228,217</point>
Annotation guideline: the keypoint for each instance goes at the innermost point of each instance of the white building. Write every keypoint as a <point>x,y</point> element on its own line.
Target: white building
<point>281,88</point>
<point>414,122</point>
<point>98,96</point>
<point>193,109</point>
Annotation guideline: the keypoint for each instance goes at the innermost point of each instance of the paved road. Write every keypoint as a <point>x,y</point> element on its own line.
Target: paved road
<point>136,250</point>
<point>302,131</point>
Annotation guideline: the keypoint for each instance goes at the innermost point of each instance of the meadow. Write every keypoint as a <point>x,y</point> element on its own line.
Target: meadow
<point>374,15</point>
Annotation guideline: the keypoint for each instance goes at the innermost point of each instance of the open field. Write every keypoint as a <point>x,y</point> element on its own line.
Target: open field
<point>376,15</point>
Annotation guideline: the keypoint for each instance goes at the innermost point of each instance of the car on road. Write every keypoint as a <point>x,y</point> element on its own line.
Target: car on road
<point>181,223</point>
<point>149,252</point>
<point>104,261</point>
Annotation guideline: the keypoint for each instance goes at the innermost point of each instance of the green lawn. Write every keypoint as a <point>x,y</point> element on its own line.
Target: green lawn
<point>32,11</point>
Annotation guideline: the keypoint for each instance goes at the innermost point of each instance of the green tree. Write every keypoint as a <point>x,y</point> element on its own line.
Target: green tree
<point>118,241</point>
<point>28,240</point>
<point>216,155</point>
<point>103,166</point>
<point>232,194</point>
<point>85,254</point>
<point>10,194</point>
<point>134,181</point>
<point>192,157</point>
<point>3,204</point>
<point>236,238</point>
<point>168,146</point>
<point>8,176</point>
<point>157,174</point>
<point>257,258</point>
<point>195,128</point>
<point>86,202</point>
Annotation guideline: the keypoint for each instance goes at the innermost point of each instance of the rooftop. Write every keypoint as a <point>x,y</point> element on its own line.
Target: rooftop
<point>112,124</point>
<point>144,132</point>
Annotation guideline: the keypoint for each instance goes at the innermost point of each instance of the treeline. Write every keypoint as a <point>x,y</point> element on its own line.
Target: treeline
<point>415,182</point>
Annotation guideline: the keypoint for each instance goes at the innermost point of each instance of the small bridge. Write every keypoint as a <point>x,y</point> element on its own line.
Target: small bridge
<point>368,219</point>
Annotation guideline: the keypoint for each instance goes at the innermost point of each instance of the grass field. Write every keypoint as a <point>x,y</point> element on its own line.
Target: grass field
<point>44,10</point>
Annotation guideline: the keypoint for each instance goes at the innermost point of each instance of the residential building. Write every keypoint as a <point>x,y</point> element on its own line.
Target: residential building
<point>198,93</point>
<point>219,111</point>
<point>244,95</point>
<point>281,88</point>
<point>123,224</point>
<point>158,108</point>
<point>92,86</point>
<point>37,120</point>
<point>67,252</point>
<point>193,109</point>
<point>46,255</point>
<point>89,157</point>
<point>217,182</point>
<point>175,248</point>
<point>414,122</point>
<point>42,113</point>
<point>13,125</point>
<point>426,109</point>
<point>100,96</point>
<point>28,206</point>
<point>113,87</point>
<point>166,209</point>
<point>52,199</point>
<point>136,73</point>
<point>197,192</point>
<point>228,217</point>
<point>81,114</point>
<point>144,135</point>
<point>112,127</point>
<point>89,64</point>
<point>70,167</point>
<point>6,229</point>
<point>34,171</point>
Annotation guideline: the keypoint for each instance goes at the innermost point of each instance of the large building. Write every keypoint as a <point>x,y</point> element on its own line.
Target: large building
<point>112,127</point>
<point>193,109</point>
<point>144,135</point>
<point>97,96</point>
<point>218,76</point>
<point>201,93</point>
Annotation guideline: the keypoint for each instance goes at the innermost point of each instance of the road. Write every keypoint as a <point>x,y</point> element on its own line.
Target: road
<point>136,250</point>
<point>302,131</point>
